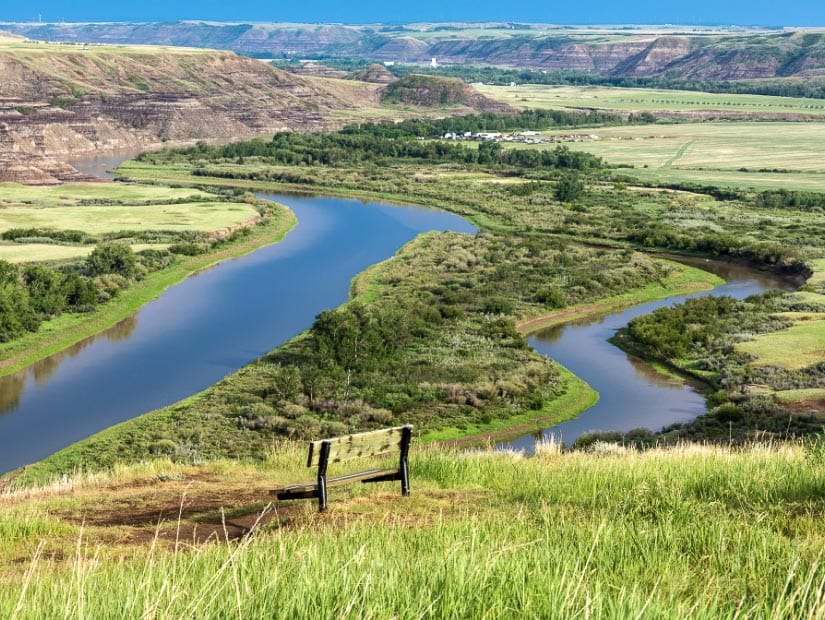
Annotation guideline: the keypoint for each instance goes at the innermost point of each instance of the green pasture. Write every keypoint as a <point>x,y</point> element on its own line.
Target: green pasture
<point>80,193</point>
<point>796,347</point>
<point>36,252</point>
<point>757,155</point>
<point>47,252</point>
<point>760,181</point>
<point>199,216</point>
<point>648,100</point>
<point>802,395</point>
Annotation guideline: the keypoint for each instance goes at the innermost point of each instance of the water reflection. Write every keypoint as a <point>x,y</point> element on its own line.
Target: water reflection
<point>648,373</point>
<point>12,386</point>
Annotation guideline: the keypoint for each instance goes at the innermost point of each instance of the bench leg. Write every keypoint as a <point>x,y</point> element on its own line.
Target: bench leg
<point>322,476</point>
<point>406,437</point>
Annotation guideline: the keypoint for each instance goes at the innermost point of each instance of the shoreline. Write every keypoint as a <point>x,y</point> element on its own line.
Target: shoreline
<point>579,396</point>
<point>67,329</point>
<point>689,281</point>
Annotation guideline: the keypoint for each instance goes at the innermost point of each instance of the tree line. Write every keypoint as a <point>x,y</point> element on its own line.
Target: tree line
<point>531,119</point>
<point>350,148</point>
<point>35,293</point>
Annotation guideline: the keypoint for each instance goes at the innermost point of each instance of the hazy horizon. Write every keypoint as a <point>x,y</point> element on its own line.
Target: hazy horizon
<point>753,13</point>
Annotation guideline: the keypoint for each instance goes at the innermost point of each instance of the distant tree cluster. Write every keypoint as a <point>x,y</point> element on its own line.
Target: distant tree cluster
<point>35,293</point>
<point>535,120</point>
<point>351,148</point>
<point>788,199</point>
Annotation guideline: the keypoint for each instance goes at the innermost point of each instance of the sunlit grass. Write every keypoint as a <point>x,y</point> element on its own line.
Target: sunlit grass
<point>796,347</point>
<point>198,216</point>
<point>75,193</point>
<point>697,531</point>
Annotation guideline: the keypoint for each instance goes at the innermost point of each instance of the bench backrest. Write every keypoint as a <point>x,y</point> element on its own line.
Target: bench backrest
<point>372,443</point>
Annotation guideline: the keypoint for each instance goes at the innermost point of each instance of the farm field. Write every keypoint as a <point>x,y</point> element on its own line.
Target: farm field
<point>95,210</point>
<point>647,100</point>
<point>198,216</point>
<point>712,145</point>
<point>37,252</point>
<point>89,193</point>
<point>755,155</point>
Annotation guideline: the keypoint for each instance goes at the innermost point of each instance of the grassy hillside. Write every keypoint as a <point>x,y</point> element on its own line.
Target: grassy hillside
<point>425,91</point>
<point>693,532</point>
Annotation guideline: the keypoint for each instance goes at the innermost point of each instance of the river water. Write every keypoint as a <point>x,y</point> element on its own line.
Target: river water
<point>206,327</point>
<point>631,393</point>
<point>213,323</point>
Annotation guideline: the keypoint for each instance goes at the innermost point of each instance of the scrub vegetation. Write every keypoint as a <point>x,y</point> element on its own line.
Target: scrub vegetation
<point>167,515</point>
<point>567,199</point>
<point>762,357</point>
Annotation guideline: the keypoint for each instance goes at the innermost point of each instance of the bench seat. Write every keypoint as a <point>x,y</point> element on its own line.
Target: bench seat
<point>310,489</point>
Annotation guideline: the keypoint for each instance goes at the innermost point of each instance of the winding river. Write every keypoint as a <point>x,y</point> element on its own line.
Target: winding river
<point>631,393</point>
<point>206,327</point>
<point>213,323</point>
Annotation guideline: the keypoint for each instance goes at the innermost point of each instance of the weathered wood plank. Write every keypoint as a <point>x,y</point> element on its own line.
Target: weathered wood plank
<point>306,489</point>
<point>372,443</point>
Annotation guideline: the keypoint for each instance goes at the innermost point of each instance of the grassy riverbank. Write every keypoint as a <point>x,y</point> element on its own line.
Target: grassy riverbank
<point>69,328</point>
<point>761,357</point>
<point>683,280</point>
<point>694,532</point>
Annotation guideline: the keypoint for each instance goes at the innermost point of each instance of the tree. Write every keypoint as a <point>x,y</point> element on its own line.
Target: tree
<point>80,293</point>
<point>112,258</point>
<point>489,152</point>
<point>45,289</point>
<point>16,314</point>
<point>569,188</point>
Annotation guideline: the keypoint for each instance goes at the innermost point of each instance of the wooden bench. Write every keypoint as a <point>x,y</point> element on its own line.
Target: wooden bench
<point>337,449</point>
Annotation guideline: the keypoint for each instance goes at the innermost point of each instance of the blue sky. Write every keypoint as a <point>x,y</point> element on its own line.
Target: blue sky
<point>742,12</point>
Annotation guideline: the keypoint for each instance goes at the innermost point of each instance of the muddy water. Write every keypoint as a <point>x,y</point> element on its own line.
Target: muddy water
<point>98,166</point>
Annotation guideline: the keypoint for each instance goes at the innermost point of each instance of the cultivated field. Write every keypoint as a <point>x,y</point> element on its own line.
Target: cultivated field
<point>758,155</point>
<point>104,208</point>
<point>764,154</point>
<point>36,252</point>
<point>199,216</point>
<point>648,100</point>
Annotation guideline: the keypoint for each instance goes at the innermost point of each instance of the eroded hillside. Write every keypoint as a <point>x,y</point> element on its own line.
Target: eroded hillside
<point>682,52</point>
<point>66,100</point>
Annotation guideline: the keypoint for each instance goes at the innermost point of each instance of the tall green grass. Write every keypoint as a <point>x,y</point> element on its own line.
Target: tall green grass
<point>694,532</point>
